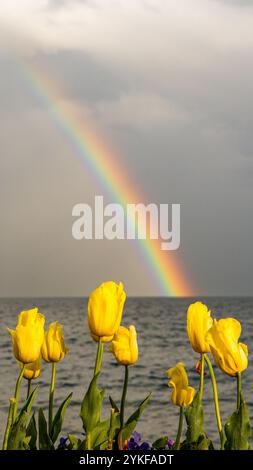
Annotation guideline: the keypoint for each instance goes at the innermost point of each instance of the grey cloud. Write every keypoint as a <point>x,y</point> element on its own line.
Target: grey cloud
<point>83,76</point>
<point>182,126</point>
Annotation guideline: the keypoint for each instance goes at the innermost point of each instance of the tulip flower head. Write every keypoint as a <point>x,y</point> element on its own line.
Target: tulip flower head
<point>32,371</point>
<point>124,346</point>
<point>199,321</point>
<point>53,348</point>
<point>28,336</point>
<point>182,395</point>
<point>229,355</point>
<point>105,307</point>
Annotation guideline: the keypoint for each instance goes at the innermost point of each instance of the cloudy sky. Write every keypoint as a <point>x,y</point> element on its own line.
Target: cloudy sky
<point>169,84</point>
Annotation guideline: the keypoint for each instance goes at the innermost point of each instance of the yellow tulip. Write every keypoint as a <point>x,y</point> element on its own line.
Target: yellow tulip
<point>198,323</point>
<point>182,394</point>
<point>124,346</point>
<point>105,307</point>
<point>53,348</point>
<point>28,336</point>
<point>32,370</point>
<point>229,355</point>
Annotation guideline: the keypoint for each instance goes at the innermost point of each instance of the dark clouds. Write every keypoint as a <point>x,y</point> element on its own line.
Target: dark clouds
<point>175,102</point>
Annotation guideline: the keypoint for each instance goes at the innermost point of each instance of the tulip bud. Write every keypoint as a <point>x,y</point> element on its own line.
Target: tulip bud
<point>28,336</point>
<point>230,356</point>
<point>105,307</point>
<point>53,348</point>
<point>182,394</point>
<point>32,370</point>
<point>124,346</point>
<point>198,323</point>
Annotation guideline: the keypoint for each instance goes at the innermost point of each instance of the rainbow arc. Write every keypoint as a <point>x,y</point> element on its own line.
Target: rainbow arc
<point>87,144</point>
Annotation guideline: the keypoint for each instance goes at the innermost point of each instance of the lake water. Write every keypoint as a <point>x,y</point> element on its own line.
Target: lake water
<point>160,323</point>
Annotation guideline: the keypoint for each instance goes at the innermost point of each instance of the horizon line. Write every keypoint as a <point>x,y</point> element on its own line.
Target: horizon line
<point>16,297</point>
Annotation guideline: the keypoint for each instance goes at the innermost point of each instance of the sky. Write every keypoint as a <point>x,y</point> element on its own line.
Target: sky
<point>168,86</point>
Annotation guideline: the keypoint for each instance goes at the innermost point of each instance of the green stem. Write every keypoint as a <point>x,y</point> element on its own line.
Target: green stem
<point>111,430</point>
<point>17,390</point>
<point>99,357</point>
<point>51,398</point>
<point>202,373</point>
<point>9,423</point>
<point>123,398</point>
<point>97,368</point>
<point>180,427</point>
<point>88,441</point>
<point>216,400</point>
<point>29,383</point>
<point>239,389</point>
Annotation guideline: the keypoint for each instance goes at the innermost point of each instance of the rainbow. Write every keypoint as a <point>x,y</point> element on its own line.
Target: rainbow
<point>104,166</point>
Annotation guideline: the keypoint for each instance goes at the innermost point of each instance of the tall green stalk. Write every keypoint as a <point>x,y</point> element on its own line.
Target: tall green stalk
<point>16,396</point>
<point>123,398</point>
<point>29,383</point>
<point>239,389</point>
<point>9,423</point>
<point>88,441</point>
<point>51,397</point>
<point>216,401</point>
<point>202,374</point>
<point>99,357</point>
<point>97,369</point>
<point>180,427</point>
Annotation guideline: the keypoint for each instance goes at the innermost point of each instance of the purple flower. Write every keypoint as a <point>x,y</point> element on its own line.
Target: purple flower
<point>136,437</point>
<point>134,442</point>
<point>145,446</point>
<point>170,444</point>
<point>132,445</point>
<point>62,443</point>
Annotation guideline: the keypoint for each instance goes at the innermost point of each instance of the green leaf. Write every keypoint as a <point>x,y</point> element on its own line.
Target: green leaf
<point>132,421</point>
<point>237,429</point>
<point>82,445</point>
<point>195,420</point>
<point>203,443</point>
<point>58,419</point>
<point>99,434</point>
<point>113,430</point>
<point>74,442</point>
<point>32,433</point>
<point>160,443</point>
<point>91,406</point>
<point>17,438</point>
<point>45,442</point>
<point>113,404</point>
<point>26,442</point>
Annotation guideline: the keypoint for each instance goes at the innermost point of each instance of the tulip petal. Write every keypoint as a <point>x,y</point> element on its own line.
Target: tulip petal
<point>228,354</point>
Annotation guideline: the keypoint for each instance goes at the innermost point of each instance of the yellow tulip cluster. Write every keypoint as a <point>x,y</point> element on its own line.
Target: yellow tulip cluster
<point>220,337</point>
<point>31,343</point>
